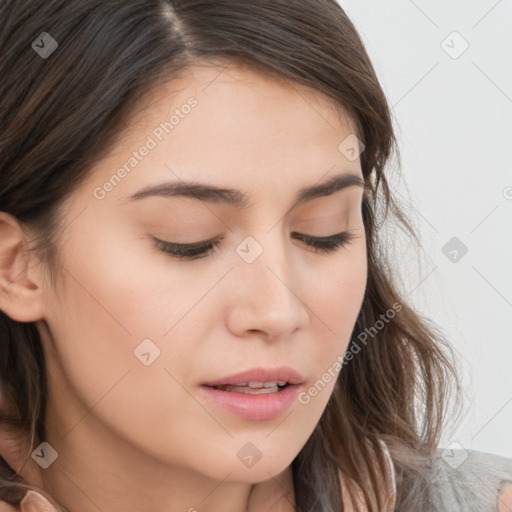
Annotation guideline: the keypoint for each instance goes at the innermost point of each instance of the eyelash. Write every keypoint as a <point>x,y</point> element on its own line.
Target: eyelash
<point>326,244</point>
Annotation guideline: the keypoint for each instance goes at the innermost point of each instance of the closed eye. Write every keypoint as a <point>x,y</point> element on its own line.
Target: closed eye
<point>324,244</point>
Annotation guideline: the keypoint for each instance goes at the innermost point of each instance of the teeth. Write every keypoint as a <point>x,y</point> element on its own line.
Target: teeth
<point>253,387</point>
<point>258,391</point>
<point>271,384</point>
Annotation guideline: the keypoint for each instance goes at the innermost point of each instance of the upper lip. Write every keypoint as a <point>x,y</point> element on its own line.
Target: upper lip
<point>260,374</point>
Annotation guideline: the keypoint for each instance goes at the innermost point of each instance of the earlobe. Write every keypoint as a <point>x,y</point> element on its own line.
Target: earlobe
<point>20,292</point>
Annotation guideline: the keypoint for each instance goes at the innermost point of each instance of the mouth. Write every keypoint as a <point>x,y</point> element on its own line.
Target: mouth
<point>258,394</point>
<point>260,378</point>
<point>253,387</point>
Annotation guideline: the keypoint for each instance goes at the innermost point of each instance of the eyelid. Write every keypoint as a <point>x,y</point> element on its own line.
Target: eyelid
<point>188,245</point>
<point>322,244</point>
<point>186,251</point>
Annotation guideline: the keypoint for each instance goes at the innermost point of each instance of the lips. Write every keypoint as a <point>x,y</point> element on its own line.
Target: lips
<point>258,378</point>
<point>255,395</point>
<point>254,387</point>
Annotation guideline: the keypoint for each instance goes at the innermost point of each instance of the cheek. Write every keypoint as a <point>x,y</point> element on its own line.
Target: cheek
<point>108,307</point>
<point>337,299</point>
<point>338,304</point>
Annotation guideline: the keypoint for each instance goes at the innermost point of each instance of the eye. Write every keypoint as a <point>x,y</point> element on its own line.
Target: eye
<point>187,251</point>
<point>324,244</point>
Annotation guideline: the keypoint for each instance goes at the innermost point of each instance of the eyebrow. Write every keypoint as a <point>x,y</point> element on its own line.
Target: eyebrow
<point>237,199</point>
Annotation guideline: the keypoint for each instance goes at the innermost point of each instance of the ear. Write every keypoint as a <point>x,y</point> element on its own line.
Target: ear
<point>20,286</point>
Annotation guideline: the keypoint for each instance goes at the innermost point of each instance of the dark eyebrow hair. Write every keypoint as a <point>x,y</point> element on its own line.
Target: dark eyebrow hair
<point>238,199</point>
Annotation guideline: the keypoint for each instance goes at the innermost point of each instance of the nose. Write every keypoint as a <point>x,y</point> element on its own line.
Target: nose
<point>268,295</point>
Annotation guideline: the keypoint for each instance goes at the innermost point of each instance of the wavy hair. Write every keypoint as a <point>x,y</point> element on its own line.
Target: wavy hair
<point>61,114</point>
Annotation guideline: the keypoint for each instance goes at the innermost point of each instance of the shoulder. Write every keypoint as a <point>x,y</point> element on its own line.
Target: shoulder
<point>463,480</point>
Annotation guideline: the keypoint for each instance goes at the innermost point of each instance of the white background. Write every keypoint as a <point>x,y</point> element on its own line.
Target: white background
<point>453,118</point>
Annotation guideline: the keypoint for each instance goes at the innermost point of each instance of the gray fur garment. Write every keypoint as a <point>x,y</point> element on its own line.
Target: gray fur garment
<point>464,481</point>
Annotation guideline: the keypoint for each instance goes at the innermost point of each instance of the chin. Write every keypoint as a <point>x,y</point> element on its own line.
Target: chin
<point>249,465</point>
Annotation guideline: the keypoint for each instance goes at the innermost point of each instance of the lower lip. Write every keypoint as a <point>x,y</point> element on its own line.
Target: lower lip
<point>264,406</point>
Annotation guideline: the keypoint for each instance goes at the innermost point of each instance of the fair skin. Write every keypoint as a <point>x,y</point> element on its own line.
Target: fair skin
<point>136,437</point>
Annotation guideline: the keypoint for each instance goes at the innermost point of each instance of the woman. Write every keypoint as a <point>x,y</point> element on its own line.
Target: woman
<point>197,311</point>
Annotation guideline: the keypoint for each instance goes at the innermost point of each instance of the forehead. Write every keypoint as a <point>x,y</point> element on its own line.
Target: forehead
<point>230,125</point>
<point>239,85</point>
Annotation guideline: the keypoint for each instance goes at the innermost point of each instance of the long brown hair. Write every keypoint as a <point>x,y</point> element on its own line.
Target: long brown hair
<point>62,113</point>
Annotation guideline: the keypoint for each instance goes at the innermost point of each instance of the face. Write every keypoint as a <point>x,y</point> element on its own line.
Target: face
<point>133,332</point>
